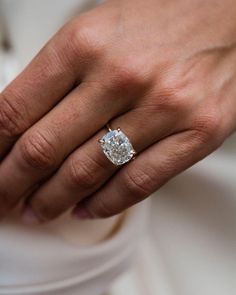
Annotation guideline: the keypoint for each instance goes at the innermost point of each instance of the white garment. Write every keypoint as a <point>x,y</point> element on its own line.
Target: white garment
<point>66,256</point>
<point>194,228</point>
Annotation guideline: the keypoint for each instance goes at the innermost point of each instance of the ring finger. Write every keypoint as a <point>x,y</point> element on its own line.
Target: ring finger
<point>87,168</point>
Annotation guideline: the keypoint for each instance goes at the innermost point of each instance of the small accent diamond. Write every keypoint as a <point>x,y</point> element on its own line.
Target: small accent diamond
<point>117,147</point>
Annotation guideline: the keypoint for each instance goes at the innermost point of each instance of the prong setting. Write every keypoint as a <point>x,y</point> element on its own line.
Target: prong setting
<point>117,147</point>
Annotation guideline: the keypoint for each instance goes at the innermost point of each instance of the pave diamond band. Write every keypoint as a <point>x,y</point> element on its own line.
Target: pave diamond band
<point>117,146</point>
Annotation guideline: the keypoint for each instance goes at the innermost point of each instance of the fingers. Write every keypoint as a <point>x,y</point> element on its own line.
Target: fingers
<point>87,169</point>
<point>46,80</point>
<point>43,147</point>
<point>150,170</point>
<point>83,173</point>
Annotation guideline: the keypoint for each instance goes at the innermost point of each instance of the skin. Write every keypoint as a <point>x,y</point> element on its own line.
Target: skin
<point>162,70</point>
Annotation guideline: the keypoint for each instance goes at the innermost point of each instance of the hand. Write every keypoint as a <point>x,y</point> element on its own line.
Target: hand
<point>163,71</point>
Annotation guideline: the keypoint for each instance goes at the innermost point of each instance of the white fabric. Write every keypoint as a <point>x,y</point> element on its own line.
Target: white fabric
<point>194,228</point>
<point>36,260</point>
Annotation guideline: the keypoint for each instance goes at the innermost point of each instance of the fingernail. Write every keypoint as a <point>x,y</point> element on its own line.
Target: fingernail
<point>81,213</point>
<point>29,216</point>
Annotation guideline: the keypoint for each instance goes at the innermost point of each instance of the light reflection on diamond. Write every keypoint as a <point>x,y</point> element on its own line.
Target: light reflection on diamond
<point>117,147</point>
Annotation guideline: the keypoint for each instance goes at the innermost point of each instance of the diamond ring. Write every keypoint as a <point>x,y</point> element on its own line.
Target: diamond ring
<point>117,146</point>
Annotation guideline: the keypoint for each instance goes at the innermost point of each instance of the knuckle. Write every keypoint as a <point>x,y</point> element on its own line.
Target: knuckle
<point>139,184</point>
<point>171,99</point>
<point>84,38</point>
<point>37,151</point>
<point>171,91</point>
<point>12,122</point>
<point>130,73</point>
<point>82,173</point>
<point>209,126</point>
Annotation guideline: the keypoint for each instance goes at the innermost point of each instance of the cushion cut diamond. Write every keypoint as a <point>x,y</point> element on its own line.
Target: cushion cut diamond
<point>117,147</point>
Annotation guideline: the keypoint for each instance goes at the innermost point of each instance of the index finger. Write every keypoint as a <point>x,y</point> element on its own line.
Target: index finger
<point>44,82</point>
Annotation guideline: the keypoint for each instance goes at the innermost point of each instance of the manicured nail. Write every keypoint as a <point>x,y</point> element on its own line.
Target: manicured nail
<point>29,216</point>
<point>81,213</point>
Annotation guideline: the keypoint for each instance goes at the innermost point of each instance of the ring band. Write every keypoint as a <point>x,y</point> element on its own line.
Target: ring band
<point>117,146</point>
